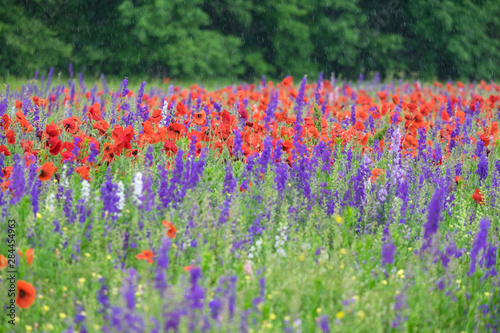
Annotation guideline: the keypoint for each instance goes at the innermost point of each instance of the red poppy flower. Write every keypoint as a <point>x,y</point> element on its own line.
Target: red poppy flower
<point>200,118</point>
<point>52,130</point>
<point>122,138</point>
<point>83,171</point>
<point>242,111</point>
<point>181,109</point>
<point>3,262</point>
<point>94,112</point>
<point>101,125</point>
<point>55,146</point>
<point>188,268</point>
<point>445,116</point>
<point>5,122</point>
<point>11,137</point>
<point>26,294</point>
<point>71,125</point>
<point>395,99</point>
<point>376,173</point>
<point>171,230</point>
<point>156,117</point>
<point>146,255</point>
<point>382,95</point>
<point>287,82</point>
<point>46,171</point>
<point>170,148</point>
<point>478,196</point>
<point>4,150</point>
<point>29,255</point>
<point>176,131</point>
<point>6,172</point>
<point>108,152</point>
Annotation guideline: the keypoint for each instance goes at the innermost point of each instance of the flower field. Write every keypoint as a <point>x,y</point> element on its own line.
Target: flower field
<point>293,206</point>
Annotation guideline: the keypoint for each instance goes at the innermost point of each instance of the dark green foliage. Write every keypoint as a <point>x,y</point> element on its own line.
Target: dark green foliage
<point>246,38</point>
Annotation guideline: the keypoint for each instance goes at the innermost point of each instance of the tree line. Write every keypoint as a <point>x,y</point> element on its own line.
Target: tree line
<point>429,39</point>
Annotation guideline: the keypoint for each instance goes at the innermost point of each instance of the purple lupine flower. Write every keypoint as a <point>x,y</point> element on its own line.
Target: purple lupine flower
<point>302,175</point>
<point>271,108</point>
<point>324,325</point>
<point>395,116</point>
<point>17,184</point>
<point>194,296</point>
<point>79,313</point>
<point>482,168</point>
<point>231,302</point>
<point>156,323</point>
<point>422,138</point>
<point>479,148</point>
<point>102,297</point>
<point>68,206</point>
<point>140,93</point>
<point>128,289</point>
<point>35,188</point>
<point>3,106</point>
<point>433,218</point>
<point>109,198</point>
<point>93,153</point>
<point>319,86</point>
<point>278,151</point>
<point>72,97</point>
<point>217,107</point>
<point>84,214</point>
<point>281,170</point>
<point>353,114</point>
<point>215,307</point>
<point>244,321</point>
<point>36,117</point>
<point>125,90</point>
<point>349,160</point>
<point>237,152</point>
<point>266,155</point>
<point>177,177</point>
<point>148,161</point>
<point>479,244</point>
<point>388,251</point>
<point>404,195</point>
<point>257,300</point>
<point>490,257</point>
<point>163,189</point>
<point>172,320</point>
<point>162,262</point>
<point>127,317</point>
<point>371,124</point>
<point>230,181</point>
<point>2,165</point>
<point>196,169</point>
<point>224,214</point>
<point>57,227</point>
<point>358,182</point>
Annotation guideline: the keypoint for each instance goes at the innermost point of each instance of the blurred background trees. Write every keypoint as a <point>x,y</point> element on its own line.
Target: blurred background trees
<point>429,39</point>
